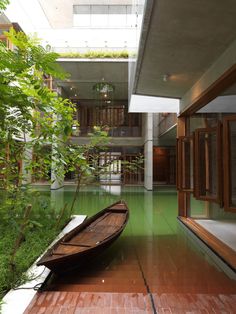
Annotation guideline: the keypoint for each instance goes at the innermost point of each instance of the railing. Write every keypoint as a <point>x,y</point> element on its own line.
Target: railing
<point>166,121</point>
<point>115,120</point>
<point>119,131</point>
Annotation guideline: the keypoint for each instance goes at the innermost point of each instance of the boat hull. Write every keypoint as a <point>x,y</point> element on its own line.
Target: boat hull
<point>87,241</point>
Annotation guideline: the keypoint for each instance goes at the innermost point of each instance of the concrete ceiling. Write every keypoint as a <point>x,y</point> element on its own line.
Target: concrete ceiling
<point>181,39</point>
<point>85,73</point>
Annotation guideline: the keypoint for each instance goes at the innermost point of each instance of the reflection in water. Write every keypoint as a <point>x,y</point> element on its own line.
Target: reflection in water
<point>57,198</point>
<point>112,189</point>
<point>153,254</point>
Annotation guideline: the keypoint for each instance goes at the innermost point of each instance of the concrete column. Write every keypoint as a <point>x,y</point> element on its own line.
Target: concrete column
<point>57,183</point>
<point>26,174</point>
<point>57,199</point>
<point>57,176</point>
<point>148,151</point>
<point>148,208</point>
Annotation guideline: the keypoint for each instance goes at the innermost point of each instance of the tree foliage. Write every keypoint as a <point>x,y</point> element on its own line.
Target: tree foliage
<point>3,4</point>
<point>34,118</point>
<point>31,115</point>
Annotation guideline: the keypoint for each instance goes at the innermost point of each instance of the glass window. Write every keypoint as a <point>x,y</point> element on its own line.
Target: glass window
<point>99,9</point>
<point>81,9</point>
<point>114,16</point>
<point>208,164</point>
<point>81,20</point>
<point>117,9</point>
<point>131,20</point>
<point>198,209</point>
<point>99,15</point>
<point>117,20</point>
<point>99,20</point>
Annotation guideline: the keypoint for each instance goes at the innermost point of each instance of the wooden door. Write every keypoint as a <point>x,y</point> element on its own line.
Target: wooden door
<point>160,165</point>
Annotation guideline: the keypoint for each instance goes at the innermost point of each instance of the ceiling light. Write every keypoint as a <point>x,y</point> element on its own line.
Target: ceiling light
<point>165,77</point>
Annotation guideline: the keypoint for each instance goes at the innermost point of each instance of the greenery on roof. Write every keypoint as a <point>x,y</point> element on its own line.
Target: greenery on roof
<point>99,54</point>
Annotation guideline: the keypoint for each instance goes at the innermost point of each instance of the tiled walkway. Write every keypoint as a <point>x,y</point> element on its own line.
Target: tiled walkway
<point>130,303</point>
<point>153,268</point>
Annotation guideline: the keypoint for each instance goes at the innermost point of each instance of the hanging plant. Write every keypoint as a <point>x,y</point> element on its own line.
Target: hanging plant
<point>103,87</point>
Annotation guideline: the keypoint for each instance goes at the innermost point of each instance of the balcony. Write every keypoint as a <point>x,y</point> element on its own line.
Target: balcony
<point>115,120</point>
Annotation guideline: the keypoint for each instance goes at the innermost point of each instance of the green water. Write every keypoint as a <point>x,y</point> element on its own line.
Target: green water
<point>151,212</point>
<point>153,240</point>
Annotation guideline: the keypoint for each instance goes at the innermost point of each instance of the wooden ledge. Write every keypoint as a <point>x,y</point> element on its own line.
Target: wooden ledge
<point>226,253</point>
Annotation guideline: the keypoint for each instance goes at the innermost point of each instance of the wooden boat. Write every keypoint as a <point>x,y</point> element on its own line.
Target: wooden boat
<point>88,239</point>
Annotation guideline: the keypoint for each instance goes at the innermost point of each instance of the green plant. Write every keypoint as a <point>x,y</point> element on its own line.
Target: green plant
<point>3,4</point>
<point>35,229</point>
<point>98,54</point>
<point>31,116</point>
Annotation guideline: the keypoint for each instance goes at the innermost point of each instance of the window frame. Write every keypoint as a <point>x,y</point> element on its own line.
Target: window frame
<point>197,156</point>
<point>227,163</point>
<point>181,165</point>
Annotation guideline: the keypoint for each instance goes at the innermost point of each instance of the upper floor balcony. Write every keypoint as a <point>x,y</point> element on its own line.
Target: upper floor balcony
<point>115,119</point>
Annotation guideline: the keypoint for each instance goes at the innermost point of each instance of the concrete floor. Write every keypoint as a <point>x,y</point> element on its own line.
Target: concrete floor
<point>225,230</point>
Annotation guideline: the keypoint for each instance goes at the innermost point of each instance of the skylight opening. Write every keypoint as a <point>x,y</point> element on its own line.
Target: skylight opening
<point>103,16</point>
<point>141,103</point>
